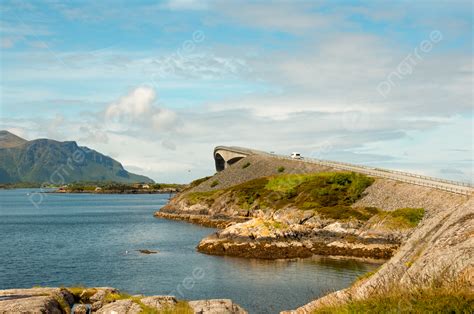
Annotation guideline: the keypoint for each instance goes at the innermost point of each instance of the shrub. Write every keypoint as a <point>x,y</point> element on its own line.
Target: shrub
<point>214,183</point>
<point>281,169</point>
<point>205,197</point>
<point>246,165</point>
<point>345,212</point>
<point>410,216</point>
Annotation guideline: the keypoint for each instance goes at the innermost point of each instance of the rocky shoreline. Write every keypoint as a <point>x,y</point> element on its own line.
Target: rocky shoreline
<point>202,220</point>
<point>285,233</point>
<point>105,300</point>
<point>287,248</point>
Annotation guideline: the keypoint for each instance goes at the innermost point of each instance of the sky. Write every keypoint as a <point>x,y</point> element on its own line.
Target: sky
<point>158,84</point>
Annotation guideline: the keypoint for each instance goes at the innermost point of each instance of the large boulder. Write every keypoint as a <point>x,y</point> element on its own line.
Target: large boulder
<point>36,300</point>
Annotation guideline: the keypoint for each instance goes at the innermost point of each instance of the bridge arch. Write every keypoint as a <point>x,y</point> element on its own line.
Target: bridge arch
<point>225,156</point>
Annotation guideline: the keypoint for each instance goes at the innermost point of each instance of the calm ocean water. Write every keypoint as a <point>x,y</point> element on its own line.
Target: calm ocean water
<point>83,239</point>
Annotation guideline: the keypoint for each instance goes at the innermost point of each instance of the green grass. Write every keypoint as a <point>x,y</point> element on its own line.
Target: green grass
<point>402,218</point>
<point>82,293</point>
<point>202,197</point>
<point>214,183</point>
<point>330,194</point>
<point>409,216</point>
<point>432,300</point>
<point>286,183</point>
<point>342,212</point>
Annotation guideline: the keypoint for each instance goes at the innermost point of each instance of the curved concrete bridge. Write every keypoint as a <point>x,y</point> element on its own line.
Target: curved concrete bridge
<point>225,156</point>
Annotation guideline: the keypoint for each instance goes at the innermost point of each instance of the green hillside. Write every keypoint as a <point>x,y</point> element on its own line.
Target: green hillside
<point>49,161</point>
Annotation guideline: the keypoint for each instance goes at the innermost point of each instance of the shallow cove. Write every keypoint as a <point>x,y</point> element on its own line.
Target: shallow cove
<point>92,240</point>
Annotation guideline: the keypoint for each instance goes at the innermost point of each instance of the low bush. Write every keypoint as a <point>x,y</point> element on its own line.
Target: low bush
<point>246,165</point>
<point>411,216</point>
<point>402,218</point>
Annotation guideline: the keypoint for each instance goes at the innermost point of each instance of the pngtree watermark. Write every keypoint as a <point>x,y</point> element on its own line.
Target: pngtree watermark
<point>59,176</point>
<point>407,65</point>
<point>188,282</point>
<point>169,65</point>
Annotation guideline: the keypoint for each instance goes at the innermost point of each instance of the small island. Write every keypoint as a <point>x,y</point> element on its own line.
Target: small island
<point>121,188</point>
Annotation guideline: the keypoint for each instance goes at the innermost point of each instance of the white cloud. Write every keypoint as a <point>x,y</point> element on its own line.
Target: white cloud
<point>138,110</point>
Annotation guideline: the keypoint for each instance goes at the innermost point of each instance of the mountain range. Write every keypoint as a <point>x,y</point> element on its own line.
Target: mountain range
<point>57,163</point>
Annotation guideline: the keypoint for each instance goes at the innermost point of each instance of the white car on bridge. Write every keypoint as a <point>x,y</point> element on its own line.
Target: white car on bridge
<point>296,155</point>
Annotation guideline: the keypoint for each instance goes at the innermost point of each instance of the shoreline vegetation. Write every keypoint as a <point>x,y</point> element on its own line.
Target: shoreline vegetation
<point>103,187</point>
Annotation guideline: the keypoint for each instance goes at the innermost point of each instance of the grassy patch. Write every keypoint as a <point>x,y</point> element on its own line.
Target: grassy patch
<point>434,300</point>
<point>214,183</point>
<point>202,197</point>
<point>341,212</point>
<point>286,183</point>
<point>330,194</point>
<point>281,169</point>
<point>410,216</point>
<point>402,218</point>
<point>65,308</point>
<point>82,293</point>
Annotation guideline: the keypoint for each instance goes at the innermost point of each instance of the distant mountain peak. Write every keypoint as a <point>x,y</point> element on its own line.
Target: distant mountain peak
<point>8,139</point>
<point>55,162</point>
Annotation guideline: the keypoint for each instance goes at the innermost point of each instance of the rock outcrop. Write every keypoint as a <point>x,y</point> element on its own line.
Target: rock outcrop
<point>439,252</point>
<point>35,300</point>
<point>104,300</point>
<point>255,223</point>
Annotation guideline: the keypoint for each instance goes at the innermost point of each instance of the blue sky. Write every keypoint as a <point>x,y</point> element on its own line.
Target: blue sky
<point>158,84</point>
